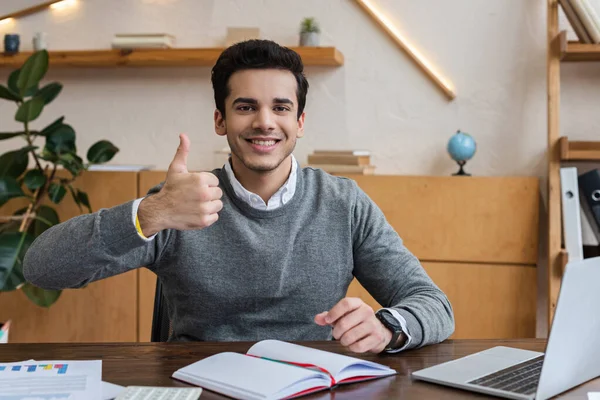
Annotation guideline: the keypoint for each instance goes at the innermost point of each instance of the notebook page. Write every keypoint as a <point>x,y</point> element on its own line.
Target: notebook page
<point>249,377</point>
<point>333,363</point>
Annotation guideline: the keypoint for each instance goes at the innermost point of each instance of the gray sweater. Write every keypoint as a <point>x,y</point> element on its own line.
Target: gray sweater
<point>255,274</point>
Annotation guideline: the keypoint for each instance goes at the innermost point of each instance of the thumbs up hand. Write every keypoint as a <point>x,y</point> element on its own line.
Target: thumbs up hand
<point>186,200</point>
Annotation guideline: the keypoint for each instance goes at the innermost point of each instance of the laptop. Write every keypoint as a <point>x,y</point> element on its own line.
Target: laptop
<point>571,357</point>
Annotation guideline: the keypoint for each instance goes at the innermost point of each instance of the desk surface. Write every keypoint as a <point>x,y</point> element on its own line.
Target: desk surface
<point>151,364</point>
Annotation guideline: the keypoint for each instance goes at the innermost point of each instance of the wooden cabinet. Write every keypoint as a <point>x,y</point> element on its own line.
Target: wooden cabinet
<point>104,311</point>
<point>477,238</point>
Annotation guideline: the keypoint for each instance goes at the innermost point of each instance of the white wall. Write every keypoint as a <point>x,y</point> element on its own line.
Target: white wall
<point>494,52</point>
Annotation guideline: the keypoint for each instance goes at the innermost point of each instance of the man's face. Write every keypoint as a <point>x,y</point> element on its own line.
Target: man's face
<point>261,121</point>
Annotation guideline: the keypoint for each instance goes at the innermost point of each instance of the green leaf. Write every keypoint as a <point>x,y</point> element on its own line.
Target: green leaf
<point>9,189</point>
<point>12,80</point>
<point>34,179</point>
<point>62,140</point>
<point>30,110</point>
<point>49,92</point>
<point>52,127</point>
<point>73,192</point>
<point>84,199</point>
<point>101,152</point>
<point>12,84</point>
<point>47,155</point>
<point>46,217</point>
<point>8,94</point>
<point>41,297</point>
<point>13,163</point>
<point>10,135</point>
<point>15,279</point>
<point>56,192</point>
<point>72,162</point>
<point>13,247</point>
<point>33,71</point>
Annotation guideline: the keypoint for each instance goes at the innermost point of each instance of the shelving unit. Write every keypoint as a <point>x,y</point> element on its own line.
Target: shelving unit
<point>575,51</point>
<point>176,57</point>
<point>578,150</point>
<point>560,148</point>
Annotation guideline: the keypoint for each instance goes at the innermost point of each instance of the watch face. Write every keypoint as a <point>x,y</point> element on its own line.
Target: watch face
<point>389,320</point>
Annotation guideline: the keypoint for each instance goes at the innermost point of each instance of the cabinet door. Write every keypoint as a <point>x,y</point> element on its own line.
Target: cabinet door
<point>104,311</point>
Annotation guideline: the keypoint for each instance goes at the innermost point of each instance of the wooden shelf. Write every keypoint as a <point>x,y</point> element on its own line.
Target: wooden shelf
<point>578,150</point>
<point>319,56</point>
<point>577,52</point>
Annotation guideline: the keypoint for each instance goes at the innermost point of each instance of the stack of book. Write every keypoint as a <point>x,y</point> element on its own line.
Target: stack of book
<point>142,41</point>
<point>583,18</point>
<point>342,161</point>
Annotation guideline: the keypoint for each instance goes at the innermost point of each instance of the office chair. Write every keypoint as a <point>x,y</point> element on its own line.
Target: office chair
<point>161,323</point>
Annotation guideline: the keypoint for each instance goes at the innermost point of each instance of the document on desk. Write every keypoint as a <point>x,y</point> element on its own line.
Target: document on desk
<point>51,380</point>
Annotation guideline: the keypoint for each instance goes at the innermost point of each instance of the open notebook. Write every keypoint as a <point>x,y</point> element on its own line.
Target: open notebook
<point>273,369</point>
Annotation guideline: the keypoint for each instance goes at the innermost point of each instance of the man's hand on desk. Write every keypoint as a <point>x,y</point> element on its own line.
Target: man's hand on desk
<point>356,326</point>
<point>186,201</point>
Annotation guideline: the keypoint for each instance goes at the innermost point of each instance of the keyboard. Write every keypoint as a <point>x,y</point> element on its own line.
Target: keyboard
<point>521,378</point>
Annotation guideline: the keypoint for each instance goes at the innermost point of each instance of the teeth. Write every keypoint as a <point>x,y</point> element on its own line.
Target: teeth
<point>264,142</point>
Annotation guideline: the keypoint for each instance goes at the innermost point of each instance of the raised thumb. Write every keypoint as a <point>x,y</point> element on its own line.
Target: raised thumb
<point>179,163</point>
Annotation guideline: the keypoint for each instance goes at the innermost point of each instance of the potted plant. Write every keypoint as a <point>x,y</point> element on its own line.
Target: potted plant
<point>309,32</point>
<point>30,173</point>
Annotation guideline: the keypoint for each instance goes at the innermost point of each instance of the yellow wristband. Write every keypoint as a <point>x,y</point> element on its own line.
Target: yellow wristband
<point>138,227</point>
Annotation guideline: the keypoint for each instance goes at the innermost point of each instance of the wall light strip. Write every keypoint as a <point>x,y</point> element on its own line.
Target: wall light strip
<point>63,4</point>
<point>388,27</point>
<point>31,10</point>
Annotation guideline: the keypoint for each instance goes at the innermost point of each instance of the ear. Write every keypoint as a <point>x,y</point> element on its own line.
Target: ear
<point>220,126</point>
<point>301,125</point>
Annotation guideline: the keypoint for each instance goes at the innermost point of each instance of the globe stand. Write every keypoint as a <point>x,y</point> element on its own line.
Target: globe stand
<point>461,171</point>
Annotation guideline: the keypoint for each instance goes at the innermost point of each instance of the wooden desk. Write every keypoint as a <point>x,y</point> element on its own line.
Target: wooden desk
<point>151,364</point>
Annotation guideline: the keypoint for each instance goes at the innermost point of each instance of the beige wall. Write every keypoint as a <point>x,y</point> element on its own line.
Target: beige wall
<point>493,52</point>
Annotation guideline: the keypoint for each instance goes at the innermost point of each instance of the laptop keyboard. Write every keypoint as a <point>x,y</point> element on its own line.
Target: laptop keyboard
<point>521,378</point>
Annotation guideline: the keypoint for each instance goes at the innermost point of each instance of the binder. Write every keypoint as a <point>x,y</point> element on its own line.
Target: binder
<point>589,183</point>
<point>569,190</point>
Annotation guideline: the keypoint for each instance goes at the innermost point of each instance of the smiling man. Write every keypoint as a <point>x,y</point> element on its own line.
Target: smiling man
<point>260,248</point>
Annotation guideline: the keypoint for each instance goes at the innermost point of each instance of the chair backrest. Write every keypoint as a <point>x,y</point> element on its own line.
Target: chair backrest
<point>161,323</point>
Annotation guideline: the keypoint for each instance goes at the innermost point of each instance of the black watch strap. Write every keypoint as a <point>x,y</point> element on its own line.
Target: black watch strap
<point>390,322</point>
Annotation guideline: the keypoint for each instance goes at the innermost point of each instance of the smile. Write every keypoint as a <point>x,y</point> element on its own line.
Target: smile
<point>264,143</point>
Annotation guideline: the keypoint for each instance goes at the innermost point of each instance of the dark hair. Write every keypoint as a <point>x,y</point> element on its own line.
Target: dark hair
<point>256,54</point>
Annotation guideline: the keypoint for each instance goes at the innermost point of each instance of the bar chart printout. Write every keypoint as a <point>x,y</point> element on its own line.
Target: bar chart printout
<point>51,380</point>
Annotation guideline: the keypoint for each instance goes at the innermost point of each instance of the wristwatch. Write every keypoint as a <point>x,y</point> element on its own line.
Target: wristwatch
<point>391,323</point>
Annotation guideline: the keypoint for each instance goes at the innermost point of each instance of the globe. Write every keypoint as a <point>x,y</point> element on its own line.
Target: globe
<point>461,148</point>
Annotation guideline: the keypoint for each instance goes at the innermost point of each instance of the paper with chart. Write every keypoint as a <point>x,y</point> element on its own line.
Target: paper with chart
<point>51,380</point>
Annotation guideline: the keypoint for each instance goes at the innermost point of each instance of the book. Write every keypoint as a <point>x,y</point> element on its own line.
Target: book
<point>343,152</point>
<point>575,21</point>
<point>142,40</point>
<point>582,11</point>
<point>338,159</point>
<point>589,8</point>
<point>273,369</point>
<point>345,169</point>
<point>589,183</point>
<point>571,213</point>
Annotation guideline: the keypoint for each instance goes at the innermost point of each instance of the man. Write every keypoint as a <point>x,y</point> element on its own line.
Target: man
<point>260,248</point>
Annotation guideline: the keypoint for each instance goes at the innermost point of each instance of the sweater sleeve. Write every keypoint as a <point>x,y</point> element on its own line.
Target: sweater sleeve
<point>90,247</point>
<point>395,277</point>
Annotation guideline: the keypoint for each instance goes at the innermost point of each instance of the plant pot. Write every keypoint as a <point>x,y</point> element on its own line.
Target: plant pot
<point>4,328</point>
<point>309,39</point>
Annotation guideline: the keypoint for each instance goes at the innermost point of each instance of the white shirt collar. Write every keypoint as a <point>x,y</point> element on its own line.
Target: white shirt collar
<point>282,196</point>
